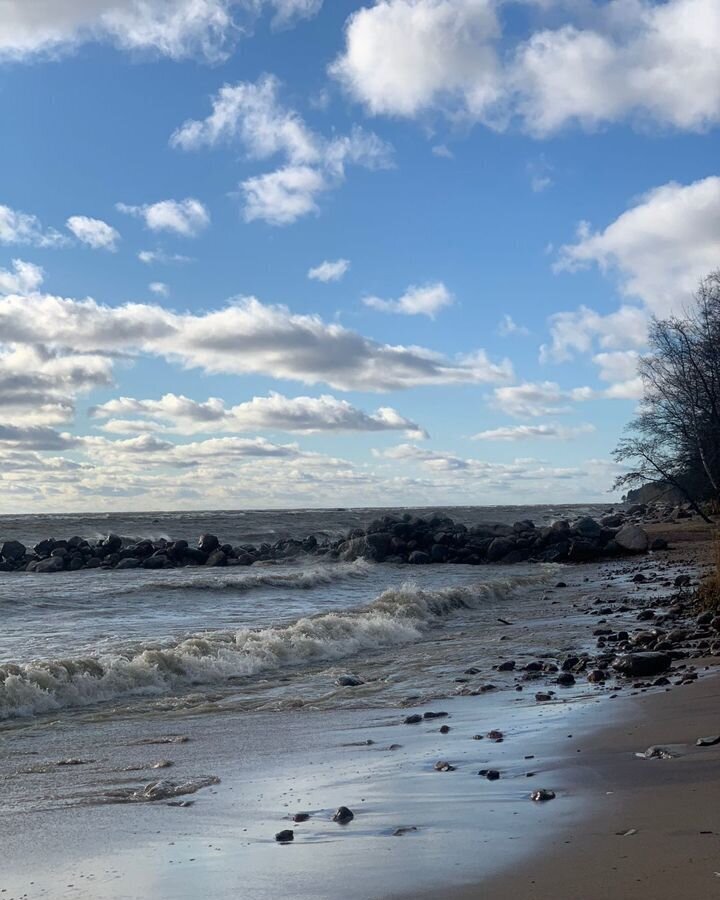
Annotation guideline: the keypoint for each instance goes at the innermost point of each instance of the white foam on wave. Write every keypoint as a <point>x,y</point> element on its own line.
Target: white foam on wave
<point>397,616</point>
<point>245,579</point>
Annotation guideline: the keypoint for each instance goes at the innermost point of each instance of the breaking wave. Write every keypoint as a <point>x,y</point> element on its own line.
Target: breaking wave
<point>397,616</point>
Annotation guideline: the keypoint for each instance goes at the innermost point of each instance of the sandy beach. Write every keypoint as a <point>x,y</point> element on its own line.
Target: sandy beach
<point>618,825</point>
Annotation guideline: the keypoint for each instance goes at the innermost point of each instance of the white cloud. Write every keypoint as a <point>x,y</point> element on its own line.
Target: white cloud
<point>443,151</point>
<point>305,415</point>
<point>422,300</point>
<point>508,326</point>
<point>178,29</point>
<point>150,257</point>
<point>159,288</point>
<point>404,57</point>
<point>184,217</point>
<point>25,277</point>
<point>661,247</point>
<point>245,336</point>
<point>603,62</point>
<point>283,196</point>
<point>22,228</point>
<point>531,432</point>
<point>251,114</point>
<point>93,232</point>
<point>329,270</point>
<point>577,332</point>
<point>545,398</point>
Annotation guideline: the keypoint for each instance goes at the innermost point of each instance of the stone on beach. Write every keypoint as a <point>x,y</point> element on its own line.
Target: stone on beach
<point>643,663</point>
<point>542,795</point>
<point>285,836</point>
<point>632,538</point>
<point>343,815</point>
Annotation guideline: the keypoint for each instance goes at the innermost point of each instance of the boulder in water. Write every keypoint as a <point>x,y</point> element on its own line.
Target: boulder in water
<point>12,550</point>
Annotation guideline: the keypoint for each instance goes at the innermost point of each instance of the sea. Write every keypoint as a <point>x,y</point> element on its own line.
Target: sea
<point>274,635</point>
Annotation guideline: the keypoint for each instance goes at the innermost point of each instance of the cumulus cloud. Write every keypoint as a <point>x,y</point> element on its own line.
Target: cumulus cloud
<point>305,415</point>
<point>329,270</point>
<point>604,62</point>
<point>24,277</point>
<point>244,337</point>
<point>93,232</point>
<point>17,227</point>
<point>531,432</point>
<point>543,398</point>
<point>423,300</point>
<point>150,257</point>
<point>178,29</point>
<point>186,217</point>
<point>577,332</point>
<point>250,114</point>
<point>660,247</point>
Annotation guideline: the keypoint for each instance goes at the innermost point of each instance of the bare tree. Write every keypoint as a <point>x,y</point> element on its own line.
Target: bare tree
<point>676,436</point>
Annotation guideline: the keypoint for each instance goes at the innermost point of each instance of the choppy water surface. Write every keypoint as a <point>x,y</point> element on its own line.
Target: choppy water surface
<point>270,634</point>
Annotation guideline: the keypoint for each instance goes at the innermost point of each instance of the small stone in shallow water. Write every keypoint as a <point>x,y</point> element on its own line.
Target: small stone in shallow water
<point>495,735</point>
<point>444,729</point>
<point>73,762</point>
<point>656,752</point>
<point>490,774</point>
<point>343,815</point>
<point>412,720</point>
<point>542,697</point>
<point>542,795</point>
<point>349,681</point>
<point>708,741</point>
<point>443,766</point>
<point>285,836</point>
<point>301,817</point>
<point>434,715</point>
<point>405,829</point>
<point>162,764</point>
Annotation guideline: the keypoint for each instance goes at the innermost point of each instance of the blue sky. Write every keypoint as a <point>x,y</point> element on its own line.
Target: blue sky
<point>504,193</point>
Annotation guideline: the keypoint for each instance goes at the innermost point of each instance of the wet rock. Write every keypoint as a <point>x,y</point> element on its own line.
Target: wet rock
<point>418,558</point>
<point>708,741</point>
<point>301,817</point>
<point>656,752</point>
<point>413,719</point>
<point>542,697</point>
<point>405,829</point>
<point>12,550</point>
<point>597,676</point>
<point>566,679</point>
<point>496,736</point>
<point>443,766</point>
<point>645,615</point>
<point>343,815</point>
<point>490,774</point>
<point>682,581</point>
<point>51,564</point>
<point>208,543</point>
<point>643,663</point>
<point>434,715</point>
<point>507,666</point>
<point>444,729</point>
<point>542,795</point>
<point>128,563</point>
<point>285,836</point>
<point>349,680</point>
<point>216,558</point>
<point>471,671</point>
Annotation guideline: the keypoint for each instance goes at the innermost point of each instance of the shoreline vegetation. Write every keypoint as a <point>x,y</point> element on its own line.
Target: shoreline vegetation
<point>435,539</point>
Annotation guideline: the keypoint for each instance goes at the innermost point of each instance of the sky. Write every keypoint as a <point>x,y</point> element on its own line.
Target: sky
<point>295,253</point>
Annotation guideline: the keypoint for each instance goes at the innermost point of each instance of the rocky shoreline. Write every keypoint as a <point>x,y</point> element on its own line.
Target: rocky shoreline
<point>407,539</point>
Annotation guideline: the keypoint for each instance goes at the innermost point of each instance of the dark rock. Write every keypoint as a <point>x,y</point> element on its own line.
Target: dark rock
<point>542,795</point>
<point>506,666</point>
<point>155,562</point>
<point>490,774</point>
<point>301,817</point>
<point>51,564</point>
<point>207,543</point>
<point>12,550</point>
<point>444,729</point>
<point>413,719</point>
<point>659,544</point>
<point>444,766</point>
<point>216,558</point>
<point>112,543</point>
<point>434,715</point>
<point>499,548</point>
<point>543,697</point>
<point>285,836</point>
<point>597,676</point>
<point>566,679</point>
<point>682,581</point>
<point>128,563</point>
<point>349,681</point>
<point>343,815</point>
<point>418,558</point>
<point>708,741</point>
<point>646,663</point>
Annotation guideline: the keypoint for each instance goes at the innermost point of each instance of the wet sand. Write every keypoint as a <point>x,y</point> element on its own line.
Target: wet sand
<point>652,827</point>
